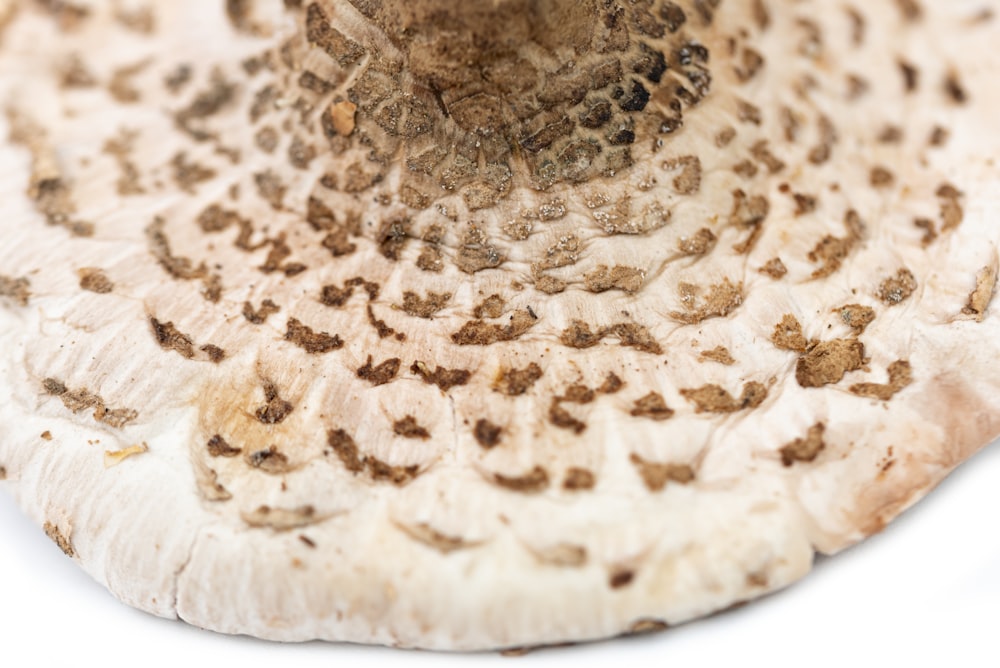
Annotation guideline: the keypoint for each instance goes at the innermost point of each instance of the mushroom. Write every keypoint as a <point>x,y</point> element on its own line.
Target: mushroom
<point>488,324</point>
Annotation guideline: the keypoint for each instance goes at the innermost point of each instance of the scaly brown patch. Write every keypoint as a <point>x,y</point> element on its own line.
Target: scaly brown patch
<point>788,334</point>
<point>897,289</point>
<point>380,374</point>
<point>714,399</point>
<point>827,362</point>
<point>444,378</point>
<point>856,316</point>
<point>342,444</point>
<point>310,341</point>
<point>481,333</point>
<point>83,399</point>
<point>722,299</point>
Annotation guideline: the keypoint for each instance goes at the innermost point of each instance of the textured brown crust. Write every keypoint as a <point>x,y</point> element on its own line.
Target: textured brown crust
<point>611,329</point>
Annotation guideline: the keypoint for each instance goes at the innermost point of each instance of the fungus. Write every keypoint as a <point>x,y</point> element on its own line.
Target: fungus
<point>447,276</point>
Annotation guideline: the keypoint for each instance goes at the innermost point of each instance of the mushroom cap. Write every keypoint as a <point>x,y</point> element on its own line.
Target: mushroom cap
<point>298,347</point>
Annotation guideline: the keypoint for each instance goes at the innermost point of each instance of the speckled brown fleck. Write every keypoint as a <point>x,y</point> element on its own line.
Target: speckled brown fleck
<point>579,335</point>
<point>788,334</point>
<point>481,333</point>
<point>381,328</point>
<point>433,538</point>
<point>218,447</point>
<point>188,175</point>
<point>486,433</point>
<point>15,288</point>
<point>647,626</point>
<point>910,10</point>
<point>425,307</point>
<point>170,338</point>
<point>62,541</point>
<point>651,406</point>
<point>121,85</point>
<point>271,188</point>
<point>897,289</point>
<point>533,482</point>
<point>804,449</point>
<point>120,148</point>
<point>929,229</point>
<point>562,418</point>
<point>343,445</point>
<point>856,316</point>
<point>911,76</point>
<point>214,353</point>
<point>881,177</point>
<point>275,409</point>
<point>408,427</point>
<point>774,268</point>
<point>49,188</point>
<point>719,354</point>
<point>206,103</point>
<point>440,376</point>
<point>656,475</point>
<point>310,341</point>
<point>831,251</point>
<point>804,203</point>
<point>621,579</point>
<point>269,460</point>
<point>512,382</point>
<point>699,243</point>
<point>721,300</point>
<point>981,297</point>
<point>259,315</point>
<point>688,182</point>
<point>900,377</point>
<point>714,399</point>
<point>611,384</point>
<point>93,279</point>
<point>952,212</point>
<point>381,373</point>
<point>954,89</point>
<point>281,519</point>
<point>578,479</point>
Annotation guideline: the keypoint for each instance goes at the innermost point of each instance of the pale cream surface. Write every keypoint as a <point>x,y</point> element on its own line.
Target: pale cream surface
<point>449,542</point>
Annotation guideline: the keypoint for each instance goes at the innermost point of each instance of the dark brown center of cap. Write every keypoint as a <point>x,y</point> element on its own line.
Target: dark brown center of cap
<point>519,92</point>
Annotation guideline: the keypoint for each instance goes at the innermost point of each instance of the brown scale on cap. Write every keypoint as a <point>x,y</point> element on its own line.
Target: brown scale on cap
<point>656,475</point>
<point>16,289</point>
<point>83,399</point>
<point>516,232</point>
<point>62,541</point>
<point>95,280</point>
<point>804,449</point>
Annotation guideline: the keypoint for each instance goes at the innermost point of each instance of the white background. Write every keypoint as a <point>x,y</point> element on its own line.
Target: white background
<point>925,592</point>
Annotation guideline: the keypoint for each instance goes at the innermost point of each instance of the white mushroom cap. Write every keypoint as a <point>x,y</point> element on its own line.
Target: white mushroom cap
<point>611,331</point>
